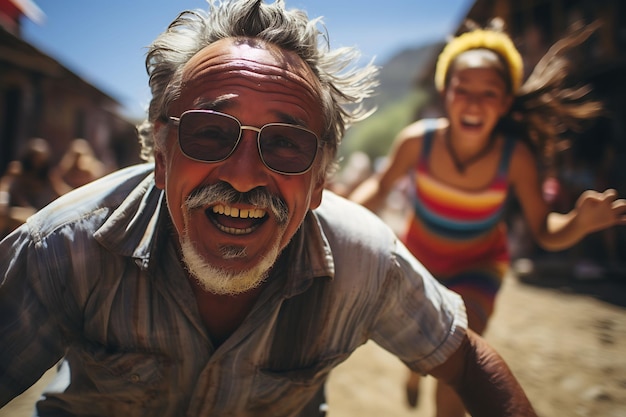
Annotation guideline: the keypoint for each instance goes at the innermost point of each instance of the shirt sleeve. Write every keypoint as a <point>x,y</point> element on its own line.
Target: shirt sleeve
<point>420,321</point>
<point>30,341</point>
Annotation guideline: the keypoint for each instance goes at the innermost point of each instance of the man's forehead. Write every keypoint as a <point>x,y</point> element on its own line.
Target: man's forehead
<point>252,56</point>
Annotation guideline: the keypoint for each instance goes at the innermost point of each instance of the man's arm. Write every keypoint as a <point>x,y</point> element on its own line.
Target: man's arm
<point>30,342</point>
<point>483,381</point>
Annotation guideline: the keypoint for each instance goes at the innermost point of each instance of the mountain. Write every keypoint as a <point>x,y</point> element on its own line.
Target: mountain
<point>398,99</point>
<point>398,75</point>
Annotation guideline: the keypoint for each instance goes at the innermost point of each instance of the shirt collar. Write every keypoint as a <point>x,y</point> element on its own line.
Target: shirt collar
<point>309,256</point>
<point>131,228</point>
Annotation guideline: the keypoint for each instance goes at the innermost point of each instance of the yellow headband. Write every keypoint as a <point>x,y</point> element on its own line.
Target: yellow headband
<point>498,42</point>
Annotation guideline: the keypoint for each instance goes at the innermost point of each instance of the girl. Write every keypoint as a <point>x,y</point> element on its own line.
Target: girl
<point>464,165</point>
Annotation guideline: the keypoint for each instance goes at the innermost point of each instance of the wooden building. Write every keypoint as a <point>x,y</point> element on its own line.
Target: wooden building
<point>39,97</point>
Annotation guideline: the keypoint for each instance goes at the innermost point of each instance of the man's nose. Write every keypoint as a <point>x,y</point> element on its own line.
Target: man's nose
<point>244,169</point>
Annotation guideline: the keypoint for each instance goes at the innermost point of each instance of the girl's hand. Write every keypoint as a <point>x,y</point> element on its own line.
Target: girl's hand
<point>597,211</point>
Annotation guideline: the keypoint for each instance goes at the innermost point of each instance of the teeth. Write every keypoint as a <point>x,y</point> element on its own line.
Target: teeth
<point>234,231</point>
<point>471,120</point>
<point>239,213</point>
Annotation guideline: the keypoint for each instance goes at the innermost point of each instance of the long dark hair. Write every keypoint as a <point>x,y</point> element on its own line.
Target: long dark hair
<point>550,103</point>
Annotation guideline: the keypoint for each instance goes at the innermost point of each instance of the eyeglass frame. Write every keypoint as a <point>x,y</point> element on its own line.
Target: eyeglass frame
<point>242,127</point>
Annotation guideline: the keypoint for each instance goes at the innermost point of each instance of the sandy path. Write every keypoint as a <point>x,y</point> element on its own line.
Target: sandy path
<point>568,351</point>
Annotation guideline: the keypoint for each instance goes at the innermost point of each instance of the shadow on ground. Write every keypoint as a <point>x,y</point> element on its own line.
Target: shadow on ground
<point>605,283</point>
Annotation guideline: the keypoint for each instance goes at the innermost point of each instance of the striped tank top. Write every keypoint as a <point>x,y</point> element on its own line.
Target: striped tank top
<point>453,230</point>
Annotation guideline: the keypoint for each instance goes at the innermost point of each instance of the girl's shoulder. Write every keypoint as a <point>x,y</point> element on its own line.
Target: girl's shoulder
<point>417,130</point>
<point>408,144</point>
<point>521,153</point>
<point>523,161</point>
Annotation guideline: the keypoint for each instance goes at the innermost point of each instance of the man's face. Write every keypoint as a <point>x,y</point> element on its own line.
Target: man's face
<point>257,85</point>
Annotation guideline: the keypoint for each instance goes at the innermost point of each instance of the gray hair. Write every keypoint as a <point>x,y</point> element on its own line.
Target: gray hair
<point>343,85</point>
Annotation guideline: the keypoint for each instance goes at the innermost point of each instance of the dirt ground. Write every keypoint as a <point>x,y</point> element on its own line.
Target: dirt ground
<point>565,340</point>
<point>567,348</point>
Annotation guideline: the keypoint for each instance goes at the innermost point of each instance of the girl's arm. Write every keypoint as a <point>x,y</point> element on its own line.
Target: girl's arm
<point>404,153</point>
<point>554,231</point>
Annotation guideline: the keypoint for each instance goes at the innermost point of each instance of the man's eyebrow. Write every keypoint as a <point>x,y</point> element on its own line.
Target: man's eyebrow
<point>222,103</point>
<point>292,120</point>
<point>217,104</point>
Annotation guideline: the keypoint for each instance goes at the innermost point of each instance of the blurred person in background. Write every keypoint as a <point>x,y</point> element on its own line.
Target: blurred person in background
<point>464,165</point>
<point>78,166</point>
<point>28,184</point>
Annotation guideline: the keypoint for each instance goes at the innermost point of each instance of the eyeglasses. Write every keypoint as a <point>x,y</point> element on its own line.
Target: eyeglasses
<point>210,136</point>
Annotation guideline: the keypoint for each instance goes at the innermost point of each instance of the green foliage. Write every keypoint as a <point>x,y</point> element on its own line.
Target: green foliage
<point>375,134</point>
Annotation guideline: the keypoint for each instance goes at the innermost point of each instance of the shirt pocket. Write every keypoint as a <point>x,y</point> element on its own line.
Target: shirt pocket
<point>119,384</point>
<point>272,386</point>
<point>134,370</point>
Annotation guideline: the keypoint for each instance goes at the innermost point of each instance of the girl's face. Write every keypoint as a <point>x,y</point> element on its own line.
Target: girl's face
<point>475,100</point>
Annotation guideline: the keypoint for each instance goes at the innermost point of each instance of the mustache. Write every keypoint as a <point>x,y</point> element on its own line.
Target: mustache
<point>224,193</point>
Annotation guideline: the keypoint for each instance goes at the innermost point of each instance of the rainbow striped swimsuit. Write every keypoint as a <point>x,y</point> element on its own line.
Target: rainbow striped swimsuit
<point>457,234</point>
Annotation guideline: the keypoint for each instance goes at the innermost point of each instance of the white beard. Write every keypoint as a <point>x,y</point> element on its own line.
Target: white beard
<point>219,280</point>
<point>223,282</point>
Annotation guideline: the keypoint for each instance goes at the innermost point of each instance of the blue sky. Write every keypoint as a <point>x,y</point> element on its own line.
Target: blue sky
<point>105,42</point>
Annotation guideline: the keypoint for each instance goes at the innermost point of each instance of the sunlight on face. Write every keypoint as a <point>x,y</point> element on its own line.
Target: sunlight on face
<point>257,83</point>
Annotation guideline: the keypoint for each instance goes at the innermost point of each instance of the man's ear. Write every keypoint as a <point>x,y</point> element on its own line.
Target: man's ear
<point>159,169</point>
<point>159,159</point>
<point>316,194</point>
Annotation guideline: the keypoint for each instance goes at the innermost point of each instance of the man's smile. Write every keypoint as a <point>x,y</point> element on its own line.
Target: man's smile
<point>236,221</point>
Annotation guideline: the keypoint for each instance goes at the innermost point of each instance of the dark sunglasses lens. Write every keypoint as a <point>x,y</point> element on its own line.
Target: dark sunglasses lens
<point>287,149</point>
<point>207,136</point>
